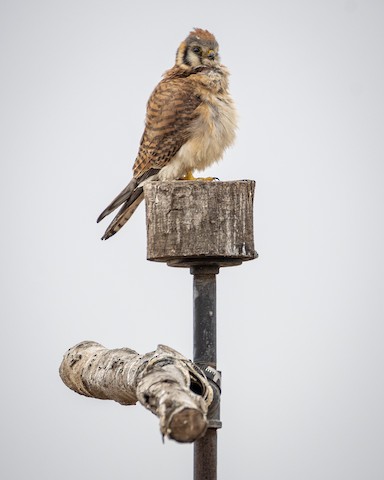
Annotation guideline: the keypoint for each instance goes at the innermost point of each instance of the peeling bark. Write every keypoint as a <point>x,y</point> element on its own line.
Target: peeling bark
<point>163,381</point>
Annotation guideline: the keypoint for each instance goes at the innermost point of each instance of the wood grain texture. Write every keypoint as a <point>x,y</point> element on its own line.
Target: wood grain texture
<point>200,220</point>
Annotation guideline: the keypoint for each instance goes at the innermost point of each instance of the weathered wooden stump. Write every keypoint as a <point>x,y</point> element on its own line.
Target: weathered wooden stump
<point>196,222</point>
<point>203,226</point>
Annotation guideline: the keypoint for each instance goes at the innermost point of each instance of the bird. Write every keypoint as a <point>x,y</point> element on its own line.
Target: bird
<point>191,120</point>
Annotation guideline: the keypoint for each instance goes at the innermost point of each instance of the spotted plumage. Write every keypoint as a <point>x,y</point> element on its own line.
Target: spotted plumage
<point>190,121</point>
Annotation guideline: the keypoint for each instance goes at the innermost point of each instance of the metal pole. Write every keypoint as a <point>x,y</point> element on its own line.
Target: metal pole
<point>204,355</point>
<point>205,456</point>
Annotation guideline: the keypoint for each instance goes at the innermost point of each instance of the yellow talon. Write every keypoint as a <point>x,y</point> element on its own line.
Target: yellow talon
<point>189,176</point>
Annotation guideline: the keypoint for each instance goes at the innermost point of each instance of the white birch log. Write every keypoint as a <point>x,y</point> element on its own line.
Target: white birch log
<point>163,381</point>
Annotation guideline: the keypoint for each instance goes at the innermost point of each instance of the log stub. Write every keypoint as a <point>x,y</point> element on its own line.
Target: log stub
<point>192,221</point>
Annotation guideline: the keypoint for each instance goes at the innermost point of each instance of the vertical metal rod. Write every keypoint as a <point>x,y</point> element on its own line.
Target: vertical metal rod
<point>204,354</point>
<point>205,456</point>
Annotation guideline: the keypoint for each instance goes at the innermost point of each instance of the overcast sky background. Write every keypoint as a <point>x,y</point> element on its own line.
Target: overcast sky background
<point>300,330</point>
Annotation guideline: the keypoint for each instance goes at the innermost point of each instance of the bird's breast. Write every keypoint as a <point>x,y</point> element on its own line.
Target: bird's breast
<point>213,130</point>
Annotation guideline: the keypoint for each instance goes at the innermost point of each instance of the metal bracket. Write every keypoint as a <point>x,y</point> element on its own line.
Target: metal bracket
<point>213,375</point>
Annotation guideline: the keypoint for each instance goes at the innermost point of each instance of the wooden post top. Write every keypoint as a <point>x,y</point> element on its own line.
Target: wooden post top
<point>198,222</point>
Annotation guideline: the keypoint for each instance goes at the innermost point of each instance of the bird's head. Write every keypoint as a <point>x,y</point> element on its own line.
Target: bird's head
<point>199,48</point>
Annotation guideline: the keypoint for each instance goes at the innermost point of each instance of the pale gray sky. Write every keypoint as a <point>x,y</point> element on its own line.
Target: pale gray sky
<point>300,330</point>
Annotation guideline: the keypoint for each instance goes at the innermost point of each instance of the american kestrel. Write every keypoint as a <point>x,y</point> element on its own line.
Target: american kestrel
<point>190,121</point>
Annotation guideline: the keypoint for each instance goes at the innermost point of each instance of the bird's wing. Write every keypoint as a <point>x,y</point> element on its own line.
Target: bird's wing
<point>130,193</point>
<point>170,111</point>
<point>124,214</point>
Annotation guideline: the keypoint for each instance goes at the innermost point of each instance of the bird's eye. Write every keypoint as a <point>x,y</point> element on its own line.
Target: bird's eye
<point>196,49</point>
